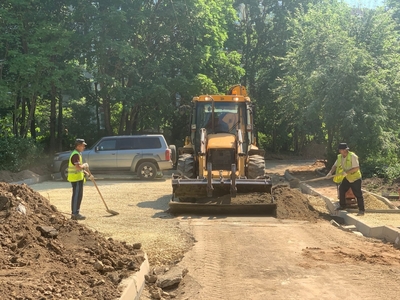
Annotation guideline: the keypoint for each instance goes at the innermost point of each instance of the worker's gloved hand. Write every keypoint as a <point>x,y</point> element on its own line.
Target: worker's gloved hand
<point>91,177</point>
<point>85,166</point>
<point>344,174</point>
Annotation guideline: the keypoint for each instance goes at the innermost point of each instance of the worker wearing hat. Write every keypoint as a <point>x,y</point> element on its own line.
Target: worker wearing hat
<point>348,174</point>
<point>76,175</point>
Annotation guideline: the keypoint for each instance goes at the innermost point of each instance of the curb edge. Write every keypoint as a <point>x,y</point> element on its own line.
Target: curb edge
<point>135,283</point>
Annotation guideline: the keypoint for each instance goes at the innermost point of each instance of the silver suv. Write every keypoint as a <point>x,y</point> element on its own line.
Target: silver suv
<point>144,155</point>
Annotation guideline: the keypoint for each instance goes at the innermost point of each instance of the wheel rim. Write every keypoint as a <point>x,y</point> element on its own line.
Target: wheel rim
<point>147,172</point>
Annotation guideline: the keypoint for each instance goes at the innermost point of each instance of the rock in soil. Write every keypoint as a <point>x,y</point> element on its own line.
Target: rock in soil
<point>46,255</point>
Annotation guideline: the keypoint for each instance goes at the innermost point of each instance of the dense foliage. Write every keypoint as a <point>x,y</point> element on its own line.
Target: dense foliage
<point>318,71</point>
<point>17,154</point>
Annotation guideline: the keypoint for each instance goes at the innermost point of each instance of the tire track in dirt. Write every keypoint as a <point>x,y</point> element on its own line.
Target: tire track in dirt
<point>266,258</point>
<point>222,261</point>
<point>208,253</point>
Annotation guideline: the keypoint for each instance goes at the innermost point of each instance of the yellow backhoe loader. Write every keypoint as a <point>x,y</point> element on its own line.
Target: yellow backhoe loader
<point>220,164</point>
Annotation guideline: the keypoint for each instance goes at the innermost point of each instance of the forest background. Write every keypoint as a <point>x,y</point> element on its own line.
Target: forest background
<point>320,72</point>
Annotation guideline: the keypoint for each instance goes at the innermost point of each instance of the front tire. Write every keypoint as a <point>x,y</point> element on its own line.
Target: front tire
<point>185,165</point>
<point>256,167</point>
<point>147,171</point>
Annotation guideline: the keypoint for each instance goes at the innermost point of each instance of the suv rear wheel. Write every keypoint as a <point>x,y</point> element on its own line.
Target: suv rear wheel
<point>147,170</point>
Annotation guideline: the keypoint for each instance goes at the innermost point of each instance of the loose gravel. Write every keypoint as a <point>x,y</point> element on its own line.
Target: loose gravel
<point>142,218</point>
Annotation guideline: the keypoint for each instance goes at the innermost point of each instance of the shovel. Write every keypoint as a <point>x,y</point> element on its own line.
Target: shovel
<point>294,183</point>
<point>114,213</point>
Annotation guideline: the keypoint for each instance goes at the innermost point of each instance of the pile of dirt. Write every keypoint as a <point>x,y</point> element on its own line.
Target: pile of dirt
<point>371,202</point>
<point>46,255</point>
<point>293,204</point>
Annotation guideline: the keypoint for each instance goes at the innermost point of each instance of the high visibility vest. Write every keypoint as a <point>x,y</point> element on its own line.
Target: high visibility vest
<point>74,175</point>
<point>347,165</point>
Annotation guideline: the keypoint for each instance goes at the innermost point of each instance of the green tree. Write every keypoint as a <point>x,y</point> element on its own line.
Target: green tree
<point>340,82</point>
<point>35,47</point>
<point>261,36</point>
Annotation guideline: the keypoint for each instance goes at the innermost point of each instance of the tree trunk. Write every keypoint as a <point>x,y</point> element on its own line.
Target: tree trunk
<point>17,103</point>
<point>60,124</point>
<point>31,105</point>
<point>23,116</point>
<point>33,126</point>
<point>123,121</point>
<point>133,116</point>
<point>53,105</point>
<point>107,115</point>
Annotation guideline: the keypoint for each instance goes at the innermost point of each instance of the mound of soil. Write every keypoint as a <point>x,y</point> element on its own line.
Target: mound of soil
<point>46,255</point>
<point>293,204</point>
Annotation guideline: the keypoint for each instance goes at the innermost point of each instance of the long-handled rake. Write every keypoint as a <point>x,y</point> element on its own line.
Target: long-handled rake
<point>295,182</point>
<point>114,213</point>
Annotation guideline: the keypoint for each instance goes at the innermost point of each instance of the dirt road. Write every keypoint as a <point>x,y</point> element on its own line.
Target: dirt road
<point>263,258</point>
<point>240,258</point>
<point>266,258</point>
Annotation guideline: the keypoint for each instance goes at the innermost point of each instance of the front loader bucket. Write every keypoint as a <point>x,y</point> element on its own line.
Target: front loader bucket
<point>222,196</point>
<point>222,209</point>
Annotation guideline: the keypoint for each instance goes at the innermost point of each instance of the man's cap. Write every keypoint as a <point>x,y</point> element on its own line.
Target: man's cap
<point>79,142</point>
<point>343,146</point>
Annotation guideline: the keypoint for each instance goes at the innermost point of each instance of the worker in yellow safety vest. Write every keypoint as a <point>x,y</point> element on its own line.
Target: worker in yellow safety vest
<point>76,175</point>
<point>348,175</point>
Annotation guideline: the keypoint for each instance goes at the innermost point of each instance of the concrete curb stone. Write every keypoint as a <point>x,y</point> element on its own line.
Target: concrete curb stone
<point>33,180</point>
<point>135,283</point>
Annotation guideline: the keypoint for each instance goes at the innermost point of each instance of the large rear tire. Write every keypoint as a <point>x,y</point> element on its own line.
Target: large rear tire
<point>186,165</point>
<point>256,167</point>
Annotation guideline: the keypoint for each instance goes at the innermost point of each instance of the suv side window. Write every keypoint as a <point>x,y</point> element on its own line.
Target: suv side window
<point>149,143</point>
<point>107,145</point>
<point>126,144</point>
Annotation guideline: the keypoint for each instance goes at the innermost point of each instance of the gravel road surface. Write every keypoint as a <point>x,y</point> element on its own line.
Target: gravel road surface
<point>239,257</point>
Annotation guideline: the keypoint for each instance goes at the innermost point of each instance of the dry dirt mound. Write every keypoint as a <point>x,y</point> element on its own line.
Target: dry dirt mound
<point>294,205</point>
<point>48,256</point>
<point>291,203</point>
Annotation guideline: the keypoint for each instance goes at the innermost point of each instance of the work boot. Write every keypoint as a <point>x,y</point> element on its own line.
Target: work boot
<point>361,213</point>
<point>78,217</point>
